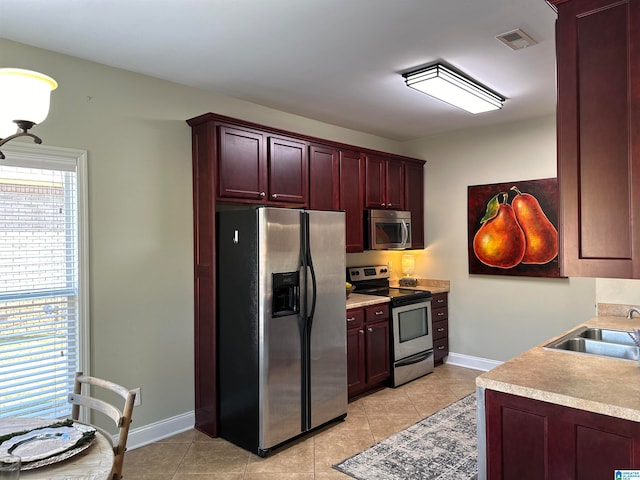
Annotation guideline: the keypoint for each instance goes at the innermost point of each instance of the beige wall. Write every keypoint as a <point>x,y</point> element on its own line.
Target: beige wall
<point>494,317</point>
<point>140,213</point>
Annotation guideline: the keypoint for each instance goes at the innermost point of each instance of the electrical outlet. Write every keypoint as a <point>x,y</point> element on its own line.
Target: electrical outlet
<point>138,399</point>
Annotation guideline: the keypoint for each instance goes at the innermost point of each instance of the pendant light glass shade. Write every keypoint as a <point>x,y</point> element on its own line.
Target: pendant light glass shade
<point>7,129</point>
<point>444,84</point>
<point>24,95</point>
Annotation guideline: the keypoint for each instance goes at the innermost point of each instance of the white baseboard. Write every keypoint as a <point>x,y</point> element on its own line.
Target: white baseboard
<point>139,437</point>
<point>477,363</point>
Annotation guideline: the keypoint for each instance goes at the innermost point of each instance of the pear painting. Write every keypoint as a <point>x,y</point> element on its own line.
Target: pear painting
<point>510,229</point>
<point>539,232</point>
<point>500,242</point>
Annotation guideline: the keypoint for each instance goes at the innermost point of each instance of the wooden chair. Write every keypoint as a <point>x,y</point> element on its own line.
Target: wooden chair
<point>121,417</point>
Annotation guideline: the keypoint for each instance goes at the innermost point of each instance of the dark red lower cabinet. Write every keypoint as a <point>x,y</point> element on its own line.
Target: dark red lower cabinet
<point>531,439</point>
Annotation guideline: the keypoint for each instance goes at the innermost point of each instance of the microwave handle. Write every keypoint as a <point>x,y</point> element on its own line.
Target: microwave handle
<point>405,233</point>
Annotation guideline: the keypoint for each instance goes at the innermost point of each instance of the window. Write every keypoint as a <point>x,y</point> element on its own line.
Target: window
<point>43,278</point>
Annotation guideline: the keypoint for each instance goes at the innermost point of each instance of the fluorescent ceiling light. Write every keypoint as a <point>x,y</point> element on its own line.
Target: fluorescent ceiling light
<point>444,84</point>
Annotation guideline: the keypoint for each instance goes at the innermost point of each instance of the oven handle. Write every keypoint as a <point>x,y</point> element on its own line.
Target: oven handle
<point>420,357</point>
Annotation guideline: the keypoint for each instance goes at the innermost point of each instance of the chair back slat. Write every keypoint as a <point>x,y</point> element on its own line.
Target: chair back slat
<point>96,404</point>
<point>120,416</point>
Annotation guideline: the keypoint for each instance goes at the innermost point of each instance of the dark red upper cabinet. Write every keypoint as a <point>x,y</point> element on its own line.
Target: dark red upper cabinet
<point>288,171</point>
<point>598,122</point>
<point>414,201</point>
<point>351,199</point>
<point>394,186</point>
<point>242,168</point>
<point>257,167</point>
<point>324,178</point>
<point>384,186</point>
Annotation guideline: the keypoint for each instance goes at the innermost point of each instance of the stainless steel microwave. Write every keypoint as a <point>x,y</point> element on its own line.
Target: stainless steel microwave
<point>388,230</point>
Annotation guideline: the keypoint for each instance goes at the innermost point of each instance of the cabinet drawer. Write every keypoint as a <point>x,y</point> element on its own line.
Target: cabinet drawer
<point>439,300</point>
<point>355,318</point>
<point>440,329</point>
<point>439,314</point>
<point>377,313</point>
<point>440,349</point>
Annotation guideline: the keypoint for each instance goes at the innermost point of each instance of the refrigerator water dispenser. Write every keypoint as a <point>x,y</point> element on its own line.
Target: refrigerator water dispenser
<point>286,294</point>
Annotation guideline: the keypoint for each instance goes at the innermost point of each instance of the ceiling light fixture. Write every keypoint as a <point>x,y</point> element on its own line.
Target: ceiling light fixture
<point>453,88</point>
<point>24,102</point>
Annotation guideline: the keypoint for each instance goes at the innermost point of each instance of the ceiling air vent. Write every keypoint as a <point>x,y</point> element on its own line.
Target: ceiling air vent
<point>516,39</point>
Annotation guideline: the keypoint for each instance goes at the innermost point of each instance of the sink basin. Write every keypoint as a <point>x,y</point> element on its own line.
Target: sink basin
<point>596,347</point>
<point>611,336</point>
<point>597,341</point>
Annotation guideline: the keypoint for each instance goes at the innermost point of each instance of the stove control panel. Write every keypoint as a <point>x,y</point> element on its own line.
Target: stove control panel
<point>358,274</point>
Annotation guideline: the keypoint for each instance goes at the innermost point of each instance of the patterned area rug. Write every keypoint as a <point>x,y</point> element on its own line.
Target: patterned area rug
<point>442,446</point>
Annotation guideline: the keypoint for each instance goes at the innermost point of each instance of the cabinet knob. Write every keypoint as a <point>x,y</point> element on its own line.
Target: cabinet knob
<point>382,204</point>
<point>389,205</point>
<point>262,194</point>
<point>441,329</point>
<point>380,312</point>
<point>351,319</point>
<point>441,347</point>
<point>361,332</point>
<point>369,329</point>
<point>275,195</point>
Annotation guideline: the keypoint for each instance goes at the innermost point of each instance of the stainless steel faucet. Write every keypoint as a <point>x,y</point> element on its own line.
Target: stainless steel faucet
<point>630,312</point>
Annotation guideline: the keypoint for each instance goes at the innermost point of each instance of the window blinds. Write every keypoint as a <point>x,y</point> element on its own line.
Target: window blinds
<point>38,290</point>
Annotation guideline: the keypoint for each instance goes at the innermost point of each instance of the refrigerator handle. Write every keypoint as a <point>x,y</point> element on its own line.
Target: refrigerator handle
<point>313,292</point>
<point>308,263</point>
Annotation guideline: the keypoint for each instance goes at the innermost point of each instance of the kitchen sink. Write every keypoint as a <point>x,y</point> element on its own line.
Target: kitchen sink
<point>612,336</point>
<point>597,341</point>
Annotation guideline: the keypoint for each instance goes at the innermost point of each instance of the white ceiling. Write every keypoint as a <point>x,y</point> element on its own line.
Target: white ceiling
<point>337,61</point>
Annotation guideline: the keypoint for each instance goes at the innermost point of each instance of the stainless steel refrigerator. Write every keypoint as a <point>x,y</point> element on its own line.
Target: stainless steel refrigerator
<point>282,361</point>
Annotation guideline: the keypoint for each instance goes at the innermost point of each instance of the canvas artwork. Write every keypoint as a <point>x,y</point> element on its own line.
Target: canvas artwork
<point>513,228</point>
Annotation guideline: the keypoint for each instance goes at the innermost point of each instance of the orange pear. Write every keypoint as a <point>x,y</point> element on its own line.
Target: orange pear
<point>541,235</point>
<point>499,242</point>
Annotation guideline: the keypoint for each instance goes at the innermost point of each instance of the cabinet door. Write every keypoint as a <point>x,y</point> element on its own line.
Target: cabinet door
<point>356,377</point>
<point>351,199</point>
<point>530,439</point>
<point>378,355</point>
<point>394,185</point>
<point>241,164</point>
<point>598,118</point>
<point>288,171</point>
<point>374,181</point>
<point>324,178</point>
<point>414,201</point>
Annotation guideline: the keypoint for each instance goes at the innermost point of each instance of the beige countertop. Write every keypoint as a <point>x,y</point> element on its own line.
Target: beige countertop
<point>609,386</point>
<point>357,300</point>
<point>434,286</point>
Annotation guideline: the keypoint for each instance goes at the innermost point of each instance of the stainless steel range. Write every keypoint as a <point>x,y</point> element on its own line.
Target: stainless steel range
<point>412,342</point>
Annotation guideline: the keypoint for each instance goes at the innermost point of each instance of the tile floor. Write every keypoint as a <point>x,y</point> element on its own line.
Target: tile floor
<point>195,456</point>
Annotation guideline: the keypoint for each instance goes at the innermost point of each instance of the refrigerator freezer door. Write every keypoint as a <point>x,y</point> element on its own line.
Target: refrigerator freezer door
<point>328,360</point>
<point>280,414</point>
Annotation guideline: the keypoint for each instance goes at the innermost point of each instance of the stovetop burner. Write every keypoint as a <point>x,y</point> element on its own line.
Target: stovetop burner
<point>393,292</point>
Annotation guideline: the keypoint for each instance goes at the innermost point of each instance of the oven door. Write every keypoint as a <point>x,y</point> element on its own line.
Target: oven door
<point>411,329</point>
